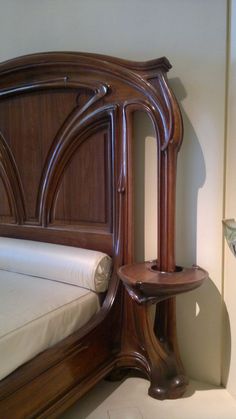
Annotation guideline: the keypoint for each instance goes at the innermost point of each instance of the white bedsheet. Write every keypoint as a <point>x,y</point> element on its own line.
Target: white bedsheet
<point>36,313</point>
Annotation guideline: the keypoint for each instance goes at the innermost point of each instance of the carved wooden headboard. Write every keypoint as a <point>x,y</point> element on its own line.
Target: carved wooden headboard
<point>66,143</point>
<point>66,177</point>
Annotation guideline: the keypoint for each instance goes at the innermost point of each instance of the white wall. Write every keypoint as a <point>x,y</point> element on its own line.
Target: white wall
<point>200,190</point>
<point>192,34</point>
<point>229,337</point>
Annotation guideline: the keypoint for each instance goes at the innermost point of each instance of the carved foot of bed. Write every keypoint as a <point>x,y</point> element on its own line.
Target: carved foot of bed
<point>158,359</point>
<point>161,358</point>
<point>152,348</point>
<point>173,388</point>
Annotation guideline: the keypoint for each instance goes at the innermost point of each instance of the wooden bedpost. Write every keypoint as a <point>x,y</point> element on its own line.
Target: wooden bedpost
<point>154,350</point>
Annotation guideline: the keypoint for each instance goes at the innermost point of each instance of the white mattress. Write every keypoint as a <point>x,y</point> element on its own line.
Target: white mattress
<point>36,313</point>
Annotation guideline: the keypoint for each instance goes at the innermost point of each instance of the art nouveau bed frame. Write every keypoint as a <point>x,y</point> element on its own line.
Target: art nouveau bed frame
<point>66,177</point>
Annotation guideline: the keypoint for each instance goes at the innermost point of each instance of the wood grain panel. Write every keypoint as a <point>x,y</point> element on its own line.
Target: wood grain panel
<point>83,195</point>
<point>37,118</point>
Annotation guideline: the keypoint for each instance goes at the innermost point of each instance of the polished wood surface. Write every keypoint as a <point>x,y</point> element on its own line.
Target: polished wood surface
<point>144,282</point>
<point>66,176</point>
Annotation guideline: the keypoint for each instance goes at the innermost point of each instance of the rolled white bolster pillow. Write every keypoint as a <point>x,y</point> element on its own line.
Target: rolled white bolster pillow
<point>81,267</point>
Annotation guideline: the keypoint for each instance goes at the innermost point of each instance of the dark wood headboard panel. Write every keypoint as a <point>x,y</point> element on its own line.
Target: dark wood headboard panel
<point>66,144</point>
<point>57,156</point>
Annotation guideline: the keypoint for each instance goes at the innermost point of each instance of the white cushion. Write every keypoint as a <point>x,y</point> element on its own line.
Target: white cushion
<point>85,268</point>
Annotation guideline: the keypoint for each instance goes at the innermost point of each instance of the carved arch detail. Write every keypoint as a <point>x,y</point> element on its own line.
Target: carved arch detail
<point>142,78</point>
<point>74,134</point>
<point>11,180</point>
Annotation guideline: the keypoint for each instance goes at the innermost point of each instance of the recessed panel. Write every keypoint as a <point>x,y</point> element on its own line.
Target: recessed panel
<point>29,123</point>
<point>84,193</point>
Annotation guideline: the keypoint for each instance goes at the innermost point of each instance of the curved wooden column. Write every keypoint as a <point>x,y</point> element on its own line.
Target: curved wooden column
<point>153,348</point>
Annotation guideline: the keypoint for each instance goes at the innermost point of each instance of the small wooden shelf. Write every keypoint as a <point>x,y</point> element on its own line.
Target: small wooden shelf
<point>145,283</point>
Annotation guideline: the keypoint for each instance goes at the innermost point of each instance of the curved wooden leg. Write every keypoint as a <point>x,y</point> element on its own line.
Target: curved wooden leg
<point>165,330</point>
<point>166,374</point>
<point>142,349</point>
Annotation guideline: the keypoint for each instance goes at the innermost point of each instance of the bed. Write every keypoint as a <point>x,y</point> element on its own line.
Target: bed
<point>66,186</point>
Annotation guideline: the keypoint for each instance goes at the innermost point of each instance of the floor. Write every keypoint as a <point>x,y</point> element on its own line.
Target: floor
<point>129,400</point>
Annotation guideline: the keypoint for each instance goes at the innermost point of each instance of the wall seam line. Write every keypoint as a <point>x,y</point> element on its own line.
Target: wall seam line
<point>226,104</point>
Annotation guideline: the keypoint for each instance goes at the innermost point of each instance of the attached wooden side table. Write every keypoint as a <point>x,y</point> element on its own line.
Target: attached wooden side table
<point>145,283</point>
<point>159,357</point>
